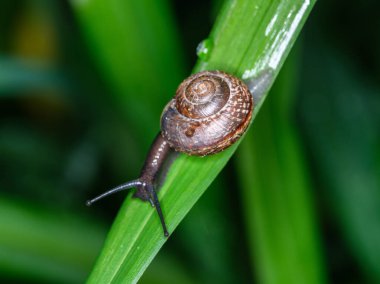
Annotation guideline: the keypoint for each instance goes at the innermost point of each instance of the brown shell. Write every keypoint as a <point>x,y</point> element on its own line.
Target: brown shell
<point>210,111</point>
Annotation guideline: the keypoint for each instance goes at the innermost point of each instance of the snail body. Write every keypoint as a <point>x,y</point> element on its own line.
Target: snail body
<point>210,111</point>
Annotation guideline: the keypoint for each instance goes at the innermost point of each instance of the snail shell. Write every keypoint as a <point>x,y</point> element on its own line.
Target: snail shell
<point>209,112</point>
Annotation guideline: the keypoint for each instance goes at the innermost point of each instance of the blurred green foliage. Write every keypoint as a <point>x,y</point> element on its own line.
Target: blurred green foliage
<point>67,132</point>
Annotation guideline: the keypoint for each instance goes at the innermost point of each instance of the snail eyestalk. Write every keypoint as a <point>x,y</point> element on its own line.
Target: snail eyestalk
<point>156,204</point>
<point>148,188</point>
<point>124,186</point>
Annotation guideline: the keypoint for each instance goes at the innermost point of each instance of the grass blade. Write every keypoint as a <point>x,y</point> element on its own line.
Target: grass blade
<point>134,43</point>
<point>276,193</point>
<point>256,35</point>
<point>45,245</point>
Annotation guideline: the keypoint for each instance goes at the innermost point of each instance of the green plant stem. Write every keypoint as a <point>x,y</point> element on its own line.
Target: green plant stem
<point>248,37</point>
<point>276,193</point>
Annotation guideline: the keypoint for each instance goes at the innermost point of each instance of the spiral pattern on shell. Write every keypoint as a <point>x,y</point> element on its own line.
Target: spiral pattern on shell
<point>210,111</point>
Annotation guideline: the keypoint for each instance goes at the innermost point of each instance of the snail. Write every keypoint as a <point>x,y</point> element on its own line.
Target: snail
<point>210,111</point>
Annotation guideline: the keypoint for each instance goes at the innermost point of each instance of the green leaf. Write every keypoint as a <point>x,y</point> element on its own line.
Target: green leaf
<point>45,245</point>
<point>136,47</point>
<point>345,147</point>
<point>277,193</point>
<point>248,38</point>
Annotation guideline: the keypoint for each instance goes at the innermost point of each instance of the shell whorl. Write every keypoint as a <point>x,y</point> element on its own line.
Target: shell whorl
<point>210,111</point>
<point>202,96</point>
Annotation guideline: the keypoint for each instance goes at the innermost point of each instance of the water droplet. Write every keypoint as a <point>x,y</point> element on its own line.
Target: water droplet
<point>204,49</point>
